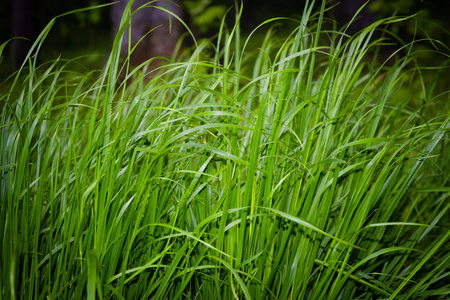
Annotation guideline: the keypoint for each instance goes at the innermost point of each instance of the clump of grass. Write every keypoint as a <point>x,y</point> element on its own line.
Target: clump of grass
<point>304,172</point>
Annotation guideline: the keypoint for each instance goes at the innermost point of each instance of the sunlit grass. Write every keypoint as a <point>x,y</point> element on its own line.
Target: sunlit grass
<point>304,170</point>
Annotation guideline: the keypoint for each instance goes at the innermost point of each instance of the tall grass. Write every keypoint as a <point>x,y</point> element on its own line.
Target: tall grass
<point>300,170</point>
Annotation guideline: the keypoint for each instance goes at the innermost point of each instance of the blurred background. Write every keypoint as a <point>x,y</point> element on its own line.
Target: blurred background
<point>91,32</point>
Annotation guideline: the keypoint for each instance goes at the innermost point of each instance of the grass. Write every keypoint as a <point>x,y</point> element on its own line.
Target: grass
<point>303,169</point>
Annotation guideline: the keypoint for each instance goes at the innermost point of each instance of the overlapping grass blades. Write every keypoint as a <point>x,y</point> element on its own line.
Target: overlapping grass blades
<point>299,170</point>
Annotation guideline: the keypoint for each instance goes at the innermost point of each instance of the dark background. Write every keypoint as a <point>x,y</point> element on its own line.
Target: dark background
<point>90,32</point>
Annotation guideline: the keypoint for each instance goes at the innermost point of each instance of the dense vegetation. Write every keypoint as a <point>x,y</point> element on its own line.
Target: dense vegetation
<point>302,169</point>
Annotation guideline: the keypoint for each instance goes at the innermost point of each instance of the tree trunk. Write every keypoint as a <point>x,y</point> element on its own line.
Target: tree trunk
<point>24,24</point>
<point>161,41</point>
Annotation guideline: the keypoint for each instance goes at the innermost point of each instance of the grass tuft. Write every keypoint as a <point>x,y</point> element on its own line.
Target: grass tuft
<point>301,168</point>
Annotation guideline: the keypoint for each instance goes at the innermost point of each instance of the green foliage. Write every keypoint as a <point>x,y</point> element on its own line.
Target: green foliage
<point>312,172</point>
<point>91,18</point>
<point>431,17</point>
<point>205,14</point>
